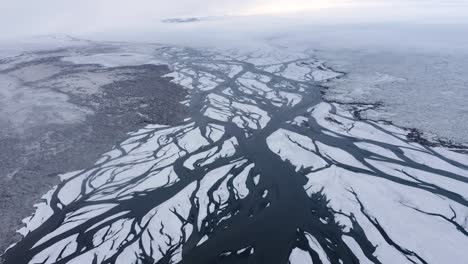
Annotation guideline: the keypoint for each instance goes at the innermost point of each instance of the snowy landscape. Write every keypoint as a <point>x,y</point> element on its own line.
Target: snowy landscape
<point>261,162</point>
<point>274,149</point>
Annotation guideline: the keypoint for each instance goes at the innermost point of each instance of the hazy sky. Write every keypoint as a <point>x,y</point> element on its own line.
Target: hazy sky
<point>43,16</point>
<point>24,17</point>
<point>36,17</point>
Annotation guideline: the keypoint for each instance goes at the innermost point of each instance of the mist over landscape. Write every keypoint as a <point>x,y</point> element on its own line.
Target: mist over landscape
<point>260,131</point>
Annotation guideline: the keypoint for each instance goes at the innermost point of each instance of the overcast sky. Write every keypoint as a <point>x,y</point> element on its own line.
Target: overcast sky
<point>36,17</point>
<point>43,16</point>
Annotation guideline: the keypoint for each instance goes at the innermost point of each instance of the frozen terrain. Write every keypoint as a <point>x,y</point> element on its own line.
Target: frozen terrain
<point>425,90</point>
<point>57,116</point>
<point>263,171</point>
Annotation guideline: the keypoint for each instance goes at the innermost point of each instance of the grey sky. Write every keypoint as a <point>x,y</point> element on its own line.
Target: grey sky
<point>21,17</point>
<point>27,17</point>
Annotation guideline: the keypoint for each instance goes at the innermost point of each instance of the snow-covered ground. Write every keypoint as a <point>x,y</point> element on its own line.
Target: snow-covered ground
<point>424,90</point>
<point>263,170</point>
<point>287,153</point>
<point>57,116</point>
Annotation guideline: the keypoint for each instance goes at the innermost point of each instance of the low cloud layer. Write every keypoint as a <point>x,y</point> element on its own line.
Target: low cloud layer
<point>24,17</point>
<point>419,24</point>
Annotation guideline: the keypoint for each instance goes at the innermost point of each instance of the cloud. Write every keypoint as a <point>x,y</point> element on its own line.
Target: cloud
<point>26,17</point>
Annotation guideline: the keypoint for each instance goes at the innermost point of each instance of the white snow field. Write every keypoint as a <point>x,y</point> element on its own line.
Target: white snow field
<point>263,170</point>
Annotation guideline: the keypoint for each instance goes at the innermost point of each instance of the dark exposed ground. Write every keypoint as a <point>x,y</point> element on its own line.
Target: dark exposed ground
<point>30,160</point>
